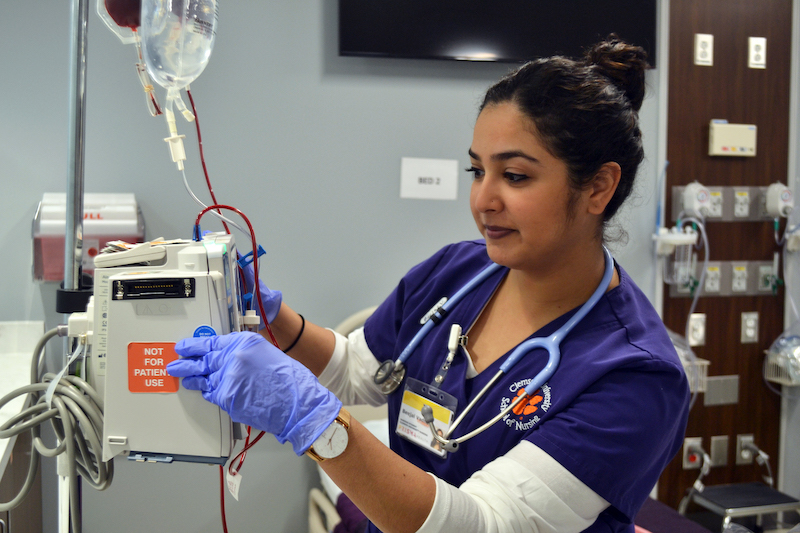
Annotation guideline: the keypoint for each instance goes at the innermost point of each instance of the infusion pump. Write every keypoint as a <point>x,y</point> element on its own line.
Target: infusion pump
<point>146,298</point>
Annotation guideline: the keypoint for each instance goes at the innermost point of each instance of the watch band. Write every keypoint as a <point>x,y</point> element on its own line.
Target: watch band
<point>343,419</point>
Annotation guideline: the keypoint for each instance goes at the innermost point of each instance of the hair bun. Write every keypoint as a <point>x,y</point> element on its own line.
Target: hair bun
<point>624,64</point>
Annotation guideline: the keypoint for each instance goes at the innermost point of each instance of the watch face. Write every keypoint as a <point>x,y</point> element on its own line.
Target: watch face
<point>332,442</point>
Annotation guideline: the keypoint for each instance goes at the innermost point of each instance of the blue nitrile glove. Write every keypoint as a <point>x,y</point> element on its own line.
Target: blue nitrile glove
<point>258,385</point>
<point>271,299</point>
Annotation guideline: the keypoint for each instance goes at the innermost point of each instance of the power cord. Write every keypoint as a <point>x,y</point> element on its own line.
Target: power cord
<point>762,459</point>
<point>75,413</point>
<point>698,486</point>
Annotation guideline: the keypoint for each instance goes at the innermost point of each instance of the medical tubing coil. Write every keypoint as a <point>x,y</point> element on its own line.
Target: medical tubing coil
<point>76,416</point>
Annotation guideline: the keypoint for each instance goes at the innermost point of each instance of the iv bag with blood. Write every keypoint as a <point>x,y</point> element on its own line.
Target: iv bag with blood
<point>121,17</point>
<point>177,38</point>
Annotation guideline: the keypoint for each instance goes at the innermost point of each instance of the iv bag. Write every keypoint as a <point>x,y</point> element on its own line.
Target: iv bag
<point>121,17</point>
<point>177,38</point>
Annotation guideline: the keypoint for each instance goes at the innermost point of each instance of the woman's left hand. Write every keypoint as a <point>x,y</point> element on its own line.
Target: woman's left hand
<point>257,385</point>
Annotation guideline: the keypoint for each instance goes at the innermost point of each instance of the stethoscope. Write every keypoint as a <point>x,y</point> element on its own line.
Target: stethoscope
<point>390,374</point>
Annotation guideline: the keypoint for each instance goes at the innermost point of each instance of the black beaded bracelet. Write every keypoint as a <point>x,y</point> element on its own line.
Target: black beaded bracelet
<point>302,328</point>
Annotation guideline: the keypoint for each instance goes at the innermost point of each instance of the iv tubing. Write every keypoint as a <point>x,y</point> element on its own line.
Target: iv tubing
<point>202,155</point>
<point>240,457</point>
<point>705,265</point>
<point>255,259</point>
<point>699,288</point>
<point>214,212</point>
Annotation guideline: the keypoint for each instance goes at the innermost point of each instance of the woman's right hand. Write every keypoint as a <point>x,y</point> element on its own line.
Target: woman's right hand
<point>257,385</point>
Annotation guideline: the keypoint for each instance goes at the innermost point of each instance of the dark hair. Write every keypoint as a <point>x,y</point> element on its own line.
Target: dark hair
<point>586,112</point>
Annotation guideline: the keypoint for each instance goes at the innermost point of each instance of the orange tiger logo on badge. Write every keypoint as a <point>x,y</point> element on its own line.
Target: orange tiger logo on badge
<point>528,406</point>
<point>530,410</point>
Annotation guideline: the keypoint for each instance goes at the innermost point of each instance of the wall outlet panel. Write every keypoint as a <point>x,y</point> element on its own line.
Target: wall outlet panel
<point>712,284</point>
<point>724,206</point>
<point>716,203</point>
<point>739,277</point>
<point>704,49</point>
<point>720,279</point>
<point>743,455</point>
<point>749,328</point>
<point>757,52</point>
<point>691,458</point>
<point>697,329</point>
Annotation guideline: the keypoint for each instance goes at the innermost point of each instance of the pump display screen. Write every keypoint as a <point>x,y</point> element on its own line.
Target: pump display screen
<point>144,289</point>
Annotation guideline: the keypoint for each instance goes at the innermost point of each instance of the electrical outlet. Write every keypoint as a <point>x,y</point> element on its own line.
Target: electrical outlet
<point>749,328</point>
<point>697,329</point>
<point>757,52</point>
<point>692,457</point>
<point>714,205</point>
<point>704,49</point>
<point>713,280</point>
<point>743,455</point>
<point>739,278</point>
<point>741,204</point>
<point>714,209</point>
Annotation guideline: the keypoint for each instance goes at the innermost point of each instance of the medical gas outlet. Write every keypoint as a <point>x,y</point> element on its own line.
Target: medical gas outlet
<point>778,201</point>
<point>696,200</point>
<point>736,203</point>
<point>733,278</point>
<point>146,298</point>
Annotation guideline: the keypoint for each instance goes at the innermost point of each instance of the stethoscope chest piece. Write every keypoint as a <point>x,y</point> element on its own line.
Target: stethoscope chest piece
<point>389,376</point>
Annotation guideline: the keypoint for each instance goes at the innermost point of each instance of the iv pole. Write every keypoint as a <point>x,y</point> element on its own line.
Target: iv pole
<point>73,242</point>
<point>73,238</point>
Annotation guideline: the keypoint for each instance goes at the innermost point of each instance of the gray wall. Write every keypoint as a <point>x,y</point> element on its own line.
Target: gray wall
<point>306,143</point>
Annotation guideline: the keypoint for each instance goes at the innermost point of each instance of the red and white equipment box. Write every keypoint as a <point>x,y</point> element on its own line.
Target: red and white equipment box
<point>106,217</point>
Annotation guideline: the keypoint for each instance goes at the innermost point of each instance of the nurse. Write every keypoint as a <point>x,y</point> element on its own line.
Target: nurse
<point>554,154</point>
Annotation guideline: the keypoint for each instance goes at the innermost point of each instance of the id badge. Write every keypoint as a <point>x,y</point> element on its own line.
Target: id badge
<point>410,423</point>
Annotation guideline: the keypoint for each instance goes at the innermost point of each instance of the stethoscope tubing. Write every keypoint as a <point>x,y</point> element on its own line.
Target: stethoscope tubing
<point>477,431</point>
<point>551,344</point>
<point>442,311</point>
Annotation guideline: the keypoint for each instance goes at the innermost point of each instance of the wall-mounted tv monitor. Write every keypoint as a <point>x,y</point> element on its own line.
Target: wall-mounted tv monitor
<point>496,30</point>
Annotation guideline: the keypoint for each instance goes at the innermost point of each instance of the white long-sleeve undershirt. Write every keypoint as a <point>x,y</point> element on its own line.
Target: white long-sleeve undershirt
<point>525,490</point>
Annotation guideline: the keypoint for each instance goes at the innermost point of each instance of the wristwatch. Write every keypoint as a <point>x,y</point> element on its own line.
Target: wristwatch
<point>333,440</point>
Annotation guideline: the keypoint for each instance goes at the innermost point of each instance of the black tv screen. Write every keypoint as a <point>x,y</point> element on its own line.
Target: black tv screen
<point>499,30</point>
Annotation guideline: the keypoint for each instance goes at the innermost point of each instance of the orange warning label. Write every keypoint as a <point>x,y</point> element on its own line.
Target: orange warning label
<point>147,367</point>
